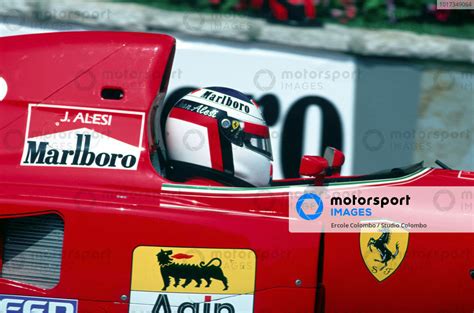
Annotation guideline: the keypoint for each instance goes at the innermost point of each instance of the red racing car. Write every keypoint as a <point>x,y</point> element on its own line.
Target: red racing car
<point>91,221</point>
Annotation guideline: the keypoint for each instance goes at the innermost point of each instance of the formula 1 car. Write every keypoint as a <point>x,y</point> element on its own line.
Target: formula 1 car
<point>90,223</point>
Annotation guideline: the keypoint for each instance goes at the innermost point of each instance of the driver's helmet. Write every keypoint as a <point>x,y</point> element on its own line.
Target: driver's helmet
<point>219,133</point>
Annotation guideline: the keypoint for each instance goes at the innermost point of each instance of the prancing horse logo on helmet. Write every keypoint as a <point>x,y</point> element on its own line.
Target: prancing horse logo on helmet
<point>383,249</point>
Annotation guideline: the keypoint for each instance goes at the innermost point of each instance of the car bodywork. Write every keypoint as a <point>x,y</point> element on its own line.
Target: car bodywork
<point>109,213</point>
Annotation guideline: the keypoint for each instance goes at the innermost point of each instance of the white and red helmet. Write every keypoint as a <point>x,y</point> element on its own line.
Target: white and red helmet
<point>219,133</point>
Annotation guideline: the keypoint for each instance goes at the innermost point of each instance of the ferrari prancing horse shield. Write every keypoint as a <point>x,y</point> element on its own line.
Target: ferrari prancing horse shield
<point>383,249</point>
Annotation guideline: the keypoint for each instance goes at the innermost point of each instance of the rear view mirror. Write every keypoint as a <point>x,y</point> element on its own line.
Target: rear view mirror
<point>335,160</point>
<point>312,165</point>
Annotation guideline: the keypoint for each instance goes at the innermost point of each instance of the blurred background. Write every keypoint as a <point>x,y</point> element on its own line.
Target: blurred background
<point>388,82</point>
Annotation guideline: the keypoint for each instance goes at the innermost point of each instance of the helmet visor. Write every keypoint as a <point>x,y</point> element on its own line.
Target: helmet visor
<point>259,144</point>
<point>254,136</point>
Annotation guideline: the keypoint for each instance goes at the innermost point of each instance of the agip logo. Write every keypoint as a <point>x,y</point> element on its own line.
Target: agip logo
<point>176,279</point>
<point>66,136</point>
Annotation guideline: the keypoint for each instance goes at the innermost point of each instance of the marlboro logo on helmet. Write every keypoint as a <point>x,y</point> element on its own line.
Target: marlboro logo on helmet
<point>226,100</point>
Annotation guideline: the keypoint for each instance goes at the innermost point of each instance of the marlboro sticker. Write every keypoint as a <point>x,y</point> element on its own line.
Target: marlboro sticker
<point>67,136</point>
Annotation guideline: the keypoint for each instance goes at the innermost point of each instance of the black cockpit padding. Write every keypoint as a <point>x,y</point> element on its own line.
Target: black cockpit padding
<point>393,173</point>
<point>386,174</point>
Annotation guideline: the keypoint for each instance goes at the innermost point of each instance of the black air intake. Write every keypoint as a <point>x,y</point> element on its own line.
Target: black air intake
<point>32,250</point>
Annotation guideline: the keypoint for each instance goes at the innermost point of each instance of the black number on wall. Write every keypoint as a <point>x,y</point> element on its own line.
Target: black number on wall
<point>293,130</point>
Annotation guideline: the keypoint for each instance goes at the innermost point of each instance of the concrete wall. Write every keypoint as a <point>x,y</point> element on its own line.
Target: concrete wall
<point>409,111</point>
<point>387,97</point>
<point>445,119</point>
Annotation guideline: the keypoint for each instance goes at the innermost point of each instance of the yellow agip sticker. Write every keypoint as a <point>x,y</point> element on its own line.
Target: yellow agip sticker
<point>176,277</point>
